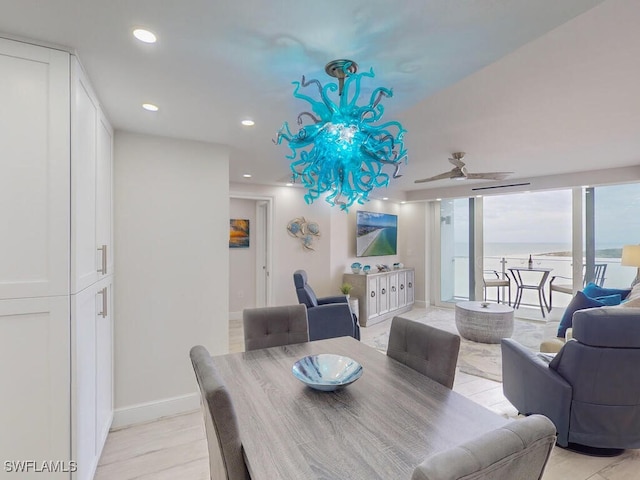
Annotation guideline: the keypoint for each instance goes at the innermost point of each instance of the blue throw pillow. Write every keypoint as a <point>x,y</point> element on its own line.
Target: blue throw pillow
<point>594,291</point>
<point>579,302</point>
<point>610,300</point>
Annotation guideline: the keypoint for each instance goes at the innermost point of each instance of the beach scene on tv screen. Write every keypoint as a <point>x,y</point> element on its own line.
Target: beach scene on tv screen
<point>377,234</point>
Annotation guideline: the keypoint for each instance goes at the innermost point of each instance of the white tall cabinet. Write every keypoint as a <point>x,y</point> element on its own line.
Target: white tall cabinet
<point>56,325</point>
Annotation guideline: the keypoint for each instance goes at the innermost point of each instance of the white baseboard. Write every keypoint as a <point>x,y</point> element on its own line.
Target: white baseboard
<point>146,412</point>
<point>235,315</point>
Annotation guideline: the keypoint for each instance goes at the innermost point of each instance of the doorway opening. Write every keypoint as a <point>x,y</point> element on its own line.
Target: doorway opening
<point>250,267</point>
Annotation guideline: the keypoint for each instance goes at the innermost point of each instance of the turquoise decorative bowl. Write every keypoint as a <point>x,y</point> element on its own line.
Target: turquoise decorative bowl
<point>326,371</point>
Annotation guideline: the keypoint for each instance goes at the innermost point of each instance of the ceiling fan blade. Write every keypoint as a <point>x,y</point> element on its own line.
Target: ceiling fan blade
<point>488,175</point>
<point>437,177</point>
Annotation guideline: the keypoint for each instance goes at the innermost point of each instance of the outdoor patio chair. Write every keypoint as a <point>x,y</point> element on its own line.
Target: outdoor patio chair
<point>566,285</point>
<point>491,278</point>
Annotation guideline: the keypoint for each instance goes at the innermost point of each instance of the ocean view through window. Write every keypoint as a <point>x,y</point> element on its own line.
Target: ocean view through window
<point>539,224</point>
<point>531,223</point>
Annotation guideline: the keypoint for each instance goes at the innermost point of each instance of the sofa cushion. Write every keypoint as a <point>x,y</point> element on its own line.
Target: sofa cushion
<point>610,300</point>
<point>579,302</point>
<point>608,327</point>
<point>594,291</point>
<point>633,299</point>
<point>632,303</point>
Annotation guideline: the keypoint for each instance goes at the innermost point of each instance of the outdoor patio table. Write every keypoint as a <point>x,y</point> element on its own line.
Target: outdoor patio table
<point>526,284</point>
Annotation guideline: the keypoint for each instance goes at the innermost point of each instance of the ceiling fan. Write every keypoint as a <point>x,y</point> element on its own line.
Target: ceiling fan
<point>459,172</point>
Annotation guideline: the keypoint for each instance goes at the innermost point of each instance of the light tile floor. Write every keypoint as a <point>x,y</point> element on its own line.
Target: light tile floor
<point>175,447</point>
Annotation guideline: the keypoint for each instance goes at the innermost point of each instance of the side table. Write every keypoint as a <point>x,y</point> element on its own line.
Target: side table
<point>485,324</point>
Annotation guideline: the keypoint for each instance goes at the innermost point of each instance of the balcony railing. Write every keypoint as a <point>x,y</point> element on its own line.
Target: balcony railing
<point>616,276</point>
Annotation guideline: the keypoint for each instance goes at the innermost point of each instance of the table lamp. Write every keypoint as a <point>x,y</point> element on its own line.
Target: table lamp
<point>631,258</point>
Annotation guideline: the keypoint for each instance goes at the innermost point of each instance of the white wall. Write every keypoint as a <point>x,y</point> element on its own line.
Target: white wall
<point>288,253</point>
<point>171,272</point>
<point>414,245</point>
<point>335,250</point>
<point>242,261</point>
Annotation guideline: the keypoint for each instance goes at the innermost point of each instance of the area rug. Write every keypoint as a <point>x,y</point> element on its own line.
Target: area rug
<point>479,359</point>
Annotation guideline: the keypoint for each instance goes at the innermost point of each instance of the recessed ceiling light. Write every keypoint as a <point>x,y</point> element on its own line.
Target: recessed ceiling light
<point>247,175</point>
<point>385,198</point>
<point>150,106</point>
<point>438,199</point>
<point>403,202</point>
<point>289,184</point>
<point>248,123</point>
<point>144,35</point>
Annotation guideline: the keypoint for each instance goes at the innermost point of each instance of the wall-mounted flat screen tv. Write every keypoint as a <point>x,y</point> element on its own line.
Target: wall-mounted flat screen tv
<point>376,234</point>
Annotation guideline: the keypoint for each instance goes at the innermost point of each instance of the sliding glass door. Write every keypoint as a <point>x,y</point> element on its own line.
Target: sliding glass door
<point>454,249</point>
<point>522,225</point>
<point>574,233</point>
<point>616,222</point>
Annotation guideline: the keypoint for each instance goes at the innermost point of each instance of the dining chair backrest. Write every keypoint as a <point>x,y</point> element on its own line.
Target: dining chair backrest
<point>519,450</point>
<point>430,351</point>
<point>226,458</point>
<point>266,327</point>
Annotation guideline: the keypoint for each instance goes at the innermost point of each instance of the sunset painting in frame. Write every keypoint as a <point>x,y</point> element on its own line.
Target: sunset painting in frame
<point>238,233</point>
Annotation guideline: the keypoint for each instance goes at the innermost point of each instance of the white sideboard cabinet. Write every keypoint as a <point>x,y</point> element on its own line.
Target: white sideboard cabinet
<point>56,353</point>
<point>382,295</point>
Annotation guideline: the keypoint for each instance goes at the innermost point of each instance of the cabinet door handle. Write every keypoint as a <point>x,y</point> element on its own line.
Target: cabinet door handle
<point>393,288</point>
<point>383,291</point>
<point>410,284</point>
<point>373,294</point>
<point>402,286</point>
<point>103,267</point>
<point>105,303</point>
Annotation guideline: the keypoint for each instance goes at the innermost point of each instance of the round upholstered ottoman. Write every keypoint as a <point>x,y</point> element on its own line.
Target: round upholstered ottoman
<point>484,322</point>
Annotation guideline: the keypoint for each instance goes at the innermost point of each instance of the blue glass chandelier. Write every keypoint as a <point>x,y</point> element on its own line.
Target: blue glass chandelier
<point>343,150</point>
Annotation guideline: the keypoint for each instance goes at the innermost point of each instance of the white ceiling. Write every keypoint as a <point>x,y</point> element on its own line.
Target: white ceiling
<point>535,87</point>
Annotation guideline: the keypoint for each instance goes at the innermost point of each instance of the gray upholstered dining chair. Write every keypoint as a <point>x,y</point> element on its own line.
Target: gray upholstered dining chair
<point>266,327</point>
<point>430,351</point>
<point>519,450</point>
<point>226,458</point>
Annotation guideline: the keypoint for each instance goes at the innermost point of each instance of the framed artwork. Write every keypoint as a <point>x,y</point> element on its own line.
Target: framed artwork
<point>238,233</point>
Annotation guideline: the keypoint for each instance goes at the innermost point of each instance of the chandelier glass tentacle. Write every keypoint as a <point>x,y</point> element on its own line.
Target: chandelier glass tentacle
<point>340,150</point>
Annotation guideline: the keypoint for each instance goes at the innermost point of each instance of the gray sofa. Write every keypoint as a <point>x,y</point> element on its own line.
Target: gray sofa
<point>591,388</point>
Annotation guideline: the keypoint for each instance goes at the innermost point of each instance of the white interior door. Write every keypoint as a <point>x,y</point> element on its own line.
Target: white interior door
<point>262,253</point>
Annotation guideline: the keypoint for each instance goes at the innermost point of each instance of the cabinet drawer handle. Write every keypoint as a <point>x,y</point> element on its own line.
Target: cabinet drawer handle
<point>383,291</point>
<point>373,294</point>
<point>103,267</point>
<point>402,286</point>
<point>105,303</point>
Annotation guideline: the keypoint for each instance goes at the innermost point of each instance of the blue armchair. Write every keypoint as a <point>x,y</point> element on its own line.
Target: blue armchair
<point>591,388</point>
<point>328,317</point>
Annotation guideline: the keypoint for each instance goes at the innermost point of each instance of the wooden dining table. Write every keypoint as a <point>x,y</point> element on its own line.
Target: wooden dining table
<point>379,427</point>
